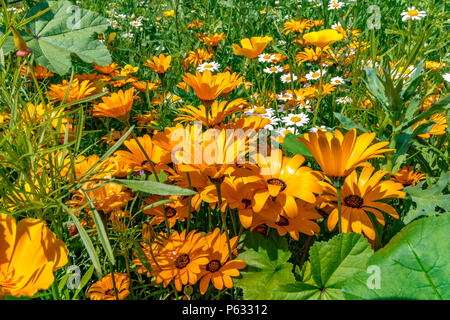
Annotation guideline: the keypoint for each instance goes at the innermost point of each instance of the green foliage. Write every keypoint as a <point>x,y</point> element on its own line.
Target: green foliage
<point>426,200</point>
<point>294,146</point>
<point>267,265</point>
<point>414,265</point>
<point>64,30</point>
<point>153,187</point>
<point>331,264</point>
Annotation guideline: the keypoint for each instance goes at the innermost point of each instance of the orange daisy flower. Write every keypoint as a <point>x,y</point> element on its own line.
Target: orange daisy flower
<point>220,268</point>
<point>40,72</point>
<point>104,289</point>
<point>136,160</point>
<point>360,196</point>
<point>117,106</point>
<point>339,155</point>
<point>77,91</point>
<point>407,176</point>
<point>159,64</point>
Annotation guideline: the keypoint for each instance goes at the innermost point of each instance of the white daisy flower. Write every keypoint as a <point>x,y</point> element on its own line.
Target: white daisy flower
<point>317,128</point>
<point>120,16</point>
<point>344,100</point>
<point>446,77</point>
<point>136,23</point>
<point>314,75</point>
<point>283,131</point>
<point>296,120</point>
<point>260,111</point>
<point>285,96</point>
<point>128,35</point>
<point>281,42</point>
<point>335,5</point>
<point>211,66</point>
<point>337,81</point>
<point>286,78</point>
<point>266,57</point>
<point>413,14</point>
<point>273,69</point>
<point>336,25</point>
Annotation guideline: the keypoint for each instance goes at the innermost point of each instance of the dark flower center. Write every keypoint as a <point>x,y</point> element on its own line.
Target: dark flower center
<point>213,266</point>
<point>110,292</point>
<point>277,182</point>
<point>353,201</point>
<point>182,261</point>
<point>247,203</point>
<point>170,212</point>
<point>282,222</point>
<point>217,180</point>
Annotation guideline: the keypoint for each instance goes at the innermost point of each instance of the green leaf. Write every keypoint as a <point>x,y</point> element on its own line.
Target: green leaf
<point>267,266</point>
<point>332,264</point>
<point>86,241</point>
<point>153,187</point>
<point>414,265</point>
<point>292,145</point>
<point>375,86</point>
<point>347,123</point>
<point>427,200</point>
<point>101,230</point>
<point>84,281</point>
<point>64,30</point>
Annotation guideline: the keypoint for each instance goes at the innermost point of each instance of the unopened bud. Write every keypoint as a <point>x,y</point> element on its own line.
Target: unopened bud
<point>21,45</point>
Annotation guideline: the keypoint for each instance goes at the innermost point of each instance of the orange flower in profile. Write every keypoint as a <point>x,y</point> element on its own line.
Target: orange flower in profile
<point>359,196</point>
<point>213,40</point>
<point>75,91</point>
<point>177,210</point>
<point>39,71</point>
<point>136,160</point>
<point>159,64</point>
<point>104,289</point>
<point>207,86</point>
<point>218,112</point>
<point>117,106</point>
<point>322,38</point>
<point>108,69</point>
<point>143,86</point>
<point>407,176</point>
<point>197,57</point>
<point>438,129</point>
<point>251,48</point>
<point>303,222</point>
<point>29,254</point>
<point>220,268</point>
<point>339,155</point>
<point>297,26</point>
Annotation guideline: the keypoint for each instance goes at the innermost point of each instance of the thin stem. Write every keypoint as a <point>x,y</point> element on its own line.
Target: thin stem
<point>338,188</point>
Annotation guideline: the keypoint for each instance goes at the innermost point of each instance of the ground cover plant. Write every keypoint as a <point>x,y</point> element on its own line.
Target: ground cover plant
<point>224,150</point>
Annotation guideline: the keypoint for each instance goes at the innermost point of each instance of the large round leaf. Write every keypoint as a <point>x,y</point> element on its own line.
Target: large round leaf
<point>415,264</point>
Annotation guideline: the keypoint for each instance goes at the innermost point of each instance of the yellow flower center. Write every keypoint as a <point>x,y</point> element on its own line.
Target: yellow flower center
<point>260,110</point>
<point>208,66</point>
<point>413,13</point>
<point>315,74</point>
<point>296,119</point>
<point>266,56</point>
<point>273,69</point>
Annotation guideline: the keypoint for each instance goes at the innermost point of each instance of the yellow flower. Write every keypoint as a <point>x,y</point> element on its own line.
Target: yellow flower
<point>104,289</point>
<point>338,156</point>
<point>322,38</point>
<point>251,48</point>
<point>169,13</point>
<point>159,64</point>
<point>29,254</point>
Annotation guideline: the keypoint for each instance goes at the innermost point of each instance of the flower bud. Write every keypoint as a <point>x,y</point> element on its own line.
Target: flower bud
<point>21,45</point>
